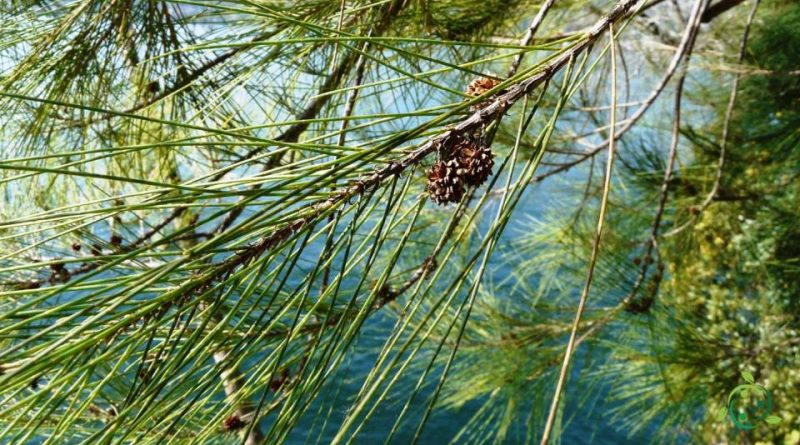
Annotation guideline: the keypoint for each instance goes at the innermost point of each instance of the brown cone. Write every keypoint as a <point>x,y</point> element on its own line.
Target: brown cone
<point>476,163</point>
<point>233,423</point>
<point>478,87</point>
<point>444,183</point>
<point>481,85</point>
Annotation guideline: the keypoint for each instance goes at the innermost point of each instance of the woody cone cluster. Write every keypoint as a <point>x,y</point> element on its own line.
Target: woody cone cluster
<point>469,165</point>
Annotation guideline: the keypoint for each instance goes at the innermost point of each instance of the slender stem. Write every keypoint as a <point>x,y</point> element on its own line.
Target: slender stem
<point>595,248</point>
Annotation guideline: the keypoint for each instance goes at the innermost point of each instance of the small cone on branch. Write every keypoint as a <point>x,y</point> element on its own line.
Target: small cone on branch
<point>476,162</point>
<point>444,183</point>
<point>277,383</point>
<point>481,85</point>
<point>233,423</point>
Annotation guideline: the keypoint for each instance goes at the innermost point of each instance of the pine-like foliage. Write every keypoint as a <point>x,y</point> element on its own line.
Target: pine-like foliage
<point>333,221</point>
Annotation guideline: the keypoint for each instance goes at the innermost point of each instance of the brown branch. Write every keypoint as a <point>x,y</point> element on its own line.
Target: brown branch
<point>529,34</point>
<point>715,188</point>
<point>694,26</point>
<point>679,55</point>
<point>446,139</point>
<point>718,8</point>
<point>313,211</point>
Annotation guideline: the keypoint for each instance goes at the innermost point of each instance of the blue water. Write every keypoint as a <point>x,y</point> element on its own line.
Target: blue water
<point>586,422</point>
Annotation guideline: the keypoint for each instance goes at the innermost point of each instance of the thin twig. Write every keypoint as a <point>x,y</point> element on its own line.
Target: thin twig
<point>694,25</point>
<point>679,55</point>
<point>725,128</point>
<point>529,35</point>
